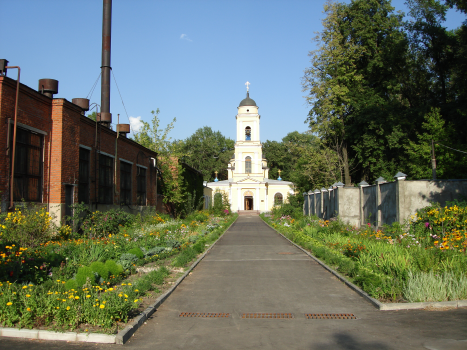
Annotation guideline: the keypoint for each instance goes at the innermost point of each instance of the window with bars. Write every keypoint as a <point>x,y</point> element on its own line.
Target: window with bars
<point>141,186</point>
<point>105,179</point>
<point>28,166</point>
<point>83,185</point>
<point>248,165</point>
<point>125,183</point>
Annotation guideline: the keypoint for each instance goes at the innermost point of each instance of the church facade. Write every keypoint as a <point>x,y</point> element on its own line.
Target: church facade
<point>248,186</point>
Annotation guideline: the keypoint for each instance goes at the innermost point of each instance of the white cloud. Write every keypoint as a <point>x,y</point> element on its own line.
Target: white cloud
<point>185,37</point>
<point>136,124</point>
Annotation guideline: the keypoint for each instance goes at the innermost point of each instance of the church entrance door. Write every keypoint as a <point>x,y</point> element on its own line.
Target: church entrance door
<point>248,203</point>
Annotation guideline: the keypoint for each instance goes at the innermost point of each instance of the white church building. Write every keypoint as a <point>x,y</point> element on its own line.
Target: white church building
<point>248,186</point>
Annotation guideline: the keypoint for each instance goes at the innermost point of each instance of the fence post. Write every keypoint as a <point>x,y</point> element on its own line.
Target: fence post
<point>399,177</point>
<point>380,180</point>
<point>360,186</point>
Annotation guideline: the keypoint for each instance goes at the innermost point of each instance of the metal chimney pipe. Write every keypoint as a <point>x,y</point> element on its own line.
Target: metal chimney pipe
<point>106,116</point>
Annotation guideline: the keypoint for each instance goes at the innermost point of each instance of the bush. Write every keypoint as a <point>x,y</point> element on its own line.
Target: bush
<point>137,251</point>
<point>84,274</point>
<point>127,260</point>
<point>71,284</point>
<point>99,224</point>
<point>114,268</point>
<point>28,227</point>
<point>100,268</point>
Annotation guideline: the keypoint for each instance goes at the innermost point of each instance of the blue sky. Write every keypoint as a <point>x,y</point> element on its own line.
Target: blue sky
<point>190,59</point>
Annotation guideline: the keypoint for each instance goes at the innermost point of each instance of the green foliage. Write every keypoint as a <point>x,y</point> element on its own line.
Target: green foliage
<point>101,269</point>
<point>85,275</point>
<point>382,89</point>
<point>99,224</point>
<point>221,205</point>
<point>136,251</point>
<point>71,284</point>
<point>113,268</point>
<point>27,226</point>
<point>207,151</point>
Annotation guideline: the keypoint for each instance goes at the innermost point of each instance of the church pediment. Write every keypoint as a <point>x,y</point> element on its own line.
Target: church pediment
<point>249,180</point>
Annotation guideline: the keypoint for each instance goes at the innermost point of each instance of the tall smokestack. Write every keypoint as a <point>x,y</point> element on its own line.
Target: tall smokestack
<point>106,116</point>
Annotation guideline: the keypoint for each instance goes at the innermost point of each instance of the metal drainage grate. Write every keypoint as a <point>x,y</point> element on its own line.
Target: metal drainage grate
<point>331,316</point>
<point>204,314</point>
<point>267,315</point>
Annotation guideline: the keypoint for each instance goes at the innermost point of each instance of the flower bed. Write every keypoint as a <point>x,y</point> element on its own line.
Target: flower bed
<point>424,260</point>
<point>88,281</point>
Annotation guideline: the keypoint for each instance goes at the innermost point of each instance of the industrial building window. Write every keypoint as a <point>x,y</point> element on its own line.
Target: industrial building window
<point>247,133</point>
<point>141,184</point>
<point>28,166</point>
<point>105,179</point>
<point>83,185</point>
<point>125,183</point>
<point>248,165</point>
<point>278,200</point>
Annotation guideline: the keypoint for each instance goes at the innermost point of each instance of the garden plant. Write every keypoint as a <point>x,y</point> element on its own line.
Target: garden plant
<point>422,260</point>
<point>85,277</point>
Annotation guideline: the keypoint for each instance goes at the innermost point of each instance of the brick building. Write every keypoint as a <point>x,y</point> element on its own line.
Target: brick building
<point>63,157</point>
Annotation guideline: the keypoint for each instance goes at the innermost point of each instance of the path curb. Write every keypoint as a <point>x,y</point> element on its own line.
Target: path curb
<point>119,338</point>
<point>377,303</point>
<point>127,332</point>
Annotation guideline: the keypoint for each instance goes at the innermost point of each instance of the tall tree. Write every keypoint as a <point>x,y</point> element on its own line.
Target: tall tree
<point>207,151</point>
<point>354,87</point>
<point>302,159</point>
<point>157,139</point>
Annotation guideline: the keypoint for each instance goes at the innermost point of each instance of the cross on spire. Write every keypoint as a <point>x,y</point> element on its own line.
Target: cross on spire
<point>247,86</point>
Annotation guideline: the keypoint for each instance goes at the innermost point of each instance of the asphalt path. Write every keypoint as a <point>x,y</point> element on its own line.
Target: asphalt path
<point>253,270</point>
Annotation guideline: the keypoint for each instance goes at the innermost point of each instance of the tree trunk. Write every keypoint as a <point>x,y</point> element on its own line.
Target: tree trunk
<point>345,160</point>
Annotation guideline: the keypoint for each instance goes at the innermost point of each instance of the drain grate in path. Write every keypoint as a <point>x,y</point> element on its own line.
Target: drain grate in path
<point>204,314</point>
<point>331,316</point>
<point>267,315</point>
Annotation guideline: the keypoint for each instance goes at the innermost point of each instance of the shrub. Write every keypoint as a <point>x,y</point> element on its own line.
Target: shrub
<point>100,224</point>
<point>28,227</point>
<point>101,269</point>
<point>114,268</point>
<point>84,274</point>
<point>71,284</point>
<point>137,251</point>
<point>127,260</point>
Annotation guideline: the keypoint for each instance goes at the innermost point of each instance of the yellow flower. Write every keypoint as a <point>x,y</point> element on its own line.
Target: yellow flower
<point>136,300</point>
<point>24,287</point>
<point>9,303</point>
<point>29,309</point>
<point>67,308</point>
<point>102,306</point>
<point>76,297</point>
<point>27,295</point>
<point>136,290</point>
<point>88,296</point>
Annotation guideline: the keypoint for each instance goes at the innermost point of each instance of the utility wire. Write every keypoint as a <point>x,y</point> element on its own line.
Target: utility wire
<point>440,144</point>
<point>93,87</point>
<point>121,97</point>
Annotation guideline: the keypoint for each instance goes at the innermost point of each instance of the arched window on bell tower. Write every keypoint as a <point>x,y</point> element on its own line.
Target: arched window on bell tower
<point>248,165</point>
<point>247,133</point>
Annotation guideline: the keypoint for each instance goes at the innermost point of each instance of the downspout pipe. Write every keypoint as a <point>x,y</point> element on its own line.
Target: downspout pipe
<point>12,178</point>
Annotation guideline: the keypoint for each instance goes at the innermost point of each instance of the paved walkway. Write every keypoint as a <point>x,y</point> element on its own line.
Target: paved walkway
<point>254,270</point>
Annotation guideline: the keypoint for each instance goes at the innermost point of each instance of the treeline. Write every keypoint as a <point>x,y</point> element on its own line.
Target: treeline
<point>382,87</point>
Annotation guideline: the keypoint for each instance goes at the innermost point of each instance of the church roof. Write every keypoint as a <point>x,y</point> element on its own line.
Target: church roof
<point>247,101</point>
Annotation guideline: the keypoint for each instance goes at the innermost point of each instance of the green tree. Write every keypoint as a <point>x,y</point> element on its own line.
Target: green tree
<point>154,137</point>
<point>207,151</point>
<point>303,159</point>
